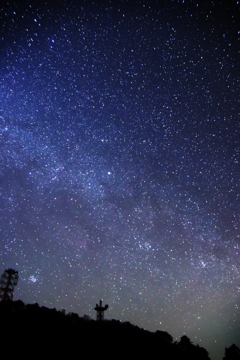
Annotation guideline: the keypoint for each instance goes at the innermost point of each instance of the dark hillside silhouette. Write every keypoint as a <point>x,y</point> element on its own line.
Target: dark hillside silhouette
<point>47,332</point>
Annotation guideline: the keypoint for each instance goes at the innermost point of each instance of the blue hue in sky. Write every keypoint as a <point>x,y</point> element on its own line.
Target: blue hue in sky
<point>119,161</point>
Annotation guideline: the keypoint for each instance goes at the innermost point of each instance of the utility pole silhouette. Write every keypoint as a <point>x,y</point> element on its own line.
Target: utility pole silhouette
<point>8,280</point>
<point>100,310</point>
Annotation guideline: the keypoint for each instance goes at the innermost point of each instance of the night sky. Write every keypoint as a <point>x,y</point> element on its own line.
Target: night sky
<point>119,161</point>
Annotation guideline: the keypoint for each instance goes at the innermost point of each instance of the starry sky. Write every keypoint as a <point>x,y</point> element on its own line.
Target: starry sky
<point>119,161</point>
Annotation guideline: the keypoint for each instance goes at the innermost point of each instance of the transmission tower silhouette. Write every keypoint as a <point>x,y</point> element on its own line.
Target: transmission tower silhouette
<point>8,280</point>
<point>100,310</point>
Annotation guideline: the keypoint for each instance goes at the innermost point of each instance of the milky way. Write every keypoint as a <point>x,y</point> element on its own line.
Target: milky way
<point>119,161</point>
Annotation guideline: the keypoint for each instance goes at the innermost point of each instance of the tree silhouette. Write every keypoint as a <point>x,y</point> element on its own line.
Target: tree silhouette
<point>232,353</point>
<point>184,342</point>
<point>190,351</point>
